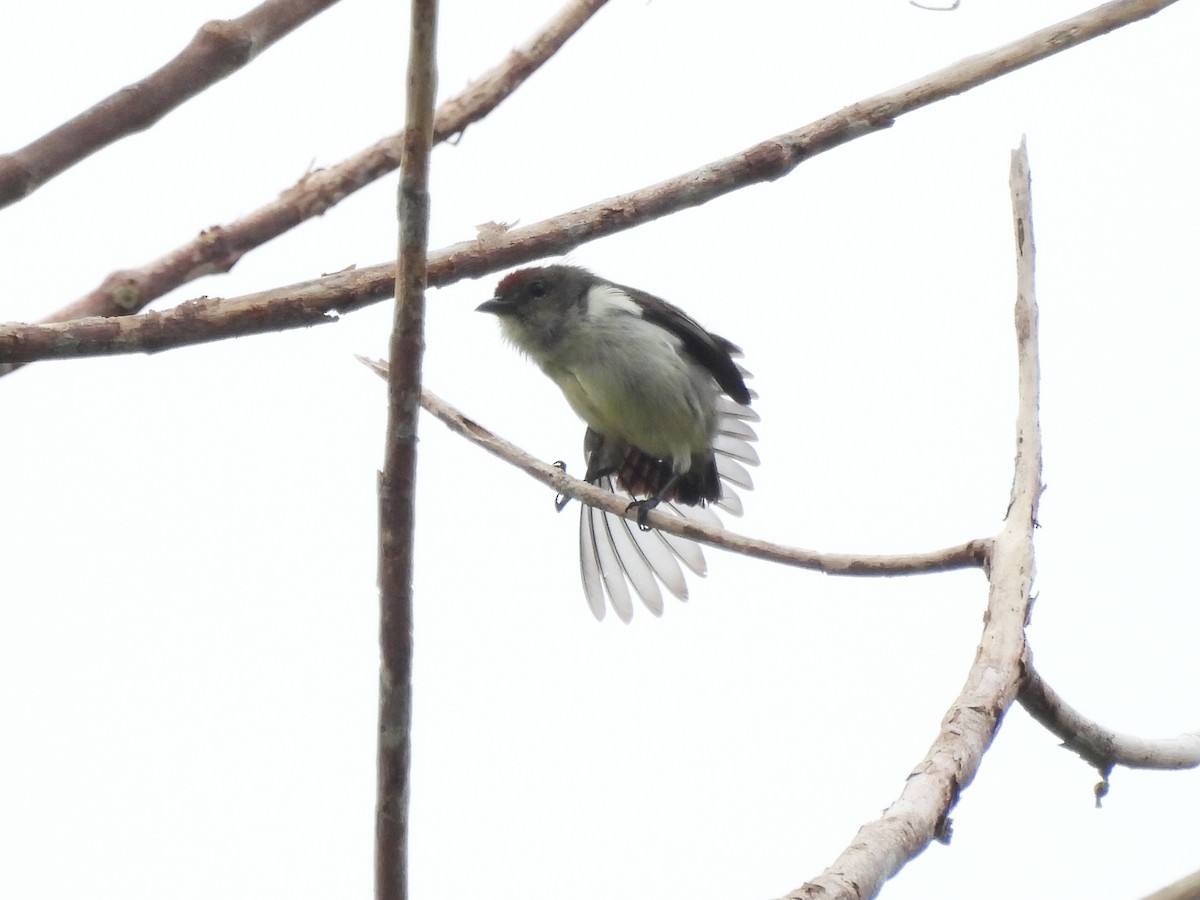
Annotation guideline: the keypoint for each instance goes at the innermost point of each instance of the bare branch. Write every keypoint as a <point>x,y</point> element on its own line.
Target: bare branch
<point>218,50</point>
<point>1186,888</point>
<point>397,486</point>
<point>219,248</point>
<point>971,555</point>
<point>921,813</point>
<point>311,302</point>
<point>1102,748</point>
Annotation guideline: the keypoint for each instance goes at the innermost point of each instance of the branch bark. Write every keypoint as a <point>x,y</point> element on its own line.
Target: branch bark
<point>1186,888</point>
<point>312,302</point>
<point>219,248</point>
<point>218,50</point>
<point>397,486</point>
<point>1101,747</point>
<point>921,814</point>
<point>970,555</point>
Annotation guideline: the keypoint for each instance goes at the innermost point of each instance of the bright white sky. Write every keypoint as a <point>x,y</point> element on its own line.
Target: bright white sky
<point>188,632</point>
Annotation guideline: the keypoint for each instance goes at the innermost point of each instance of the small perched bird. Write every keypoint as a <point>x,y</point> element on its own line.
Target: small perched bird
<point>666,408</point>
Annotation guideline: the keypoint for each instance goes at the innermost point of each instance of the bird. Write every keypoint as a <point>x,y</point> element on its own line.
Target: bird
<point>668,419</point>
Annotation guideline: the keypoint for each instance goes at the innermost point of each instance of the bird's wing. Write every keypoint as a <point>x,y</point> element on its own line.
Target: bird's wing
<point>710,350</point>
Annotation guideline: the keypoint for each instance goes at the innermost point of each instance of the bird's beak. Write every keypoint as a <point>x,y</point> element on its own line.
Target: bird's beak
<point>496,306</point>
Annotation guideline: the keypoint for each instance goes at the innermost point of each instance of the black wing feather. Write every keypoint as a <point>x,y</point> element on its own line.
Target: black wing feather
<point>711,351</point>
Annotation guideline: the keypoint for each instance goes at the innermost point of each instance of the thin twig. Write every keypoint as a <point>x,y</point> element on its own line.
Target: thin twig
<point>218,50</point>
<point>397,486</point>
<point>219,248</point>
<point>1102,748</point>
<point>971,555</point>
<point>921,814</point>
<point>313,302</point>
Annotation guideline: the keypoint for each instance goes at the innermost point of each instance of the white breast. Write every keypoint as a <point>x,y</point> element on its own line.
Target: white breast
<point>629,378</point>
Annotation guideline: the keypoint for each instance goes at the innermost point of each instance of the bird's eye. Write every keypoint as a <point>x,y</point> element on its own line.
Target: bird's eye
<point>537,289</point>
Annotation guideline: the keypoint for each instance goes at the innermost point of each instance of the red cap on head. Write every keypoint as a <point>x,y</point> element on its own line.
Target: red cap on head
<point>513,281</point>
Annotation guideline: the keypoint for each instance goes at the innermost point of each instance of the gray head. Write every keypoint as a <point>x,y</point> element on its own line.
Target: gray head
<point>536,305</point>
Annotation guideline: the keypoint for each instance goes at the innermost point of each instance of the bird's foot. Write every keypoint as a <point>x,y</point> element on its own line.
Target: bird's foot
<point>643,508</point>
<point>560,500</point>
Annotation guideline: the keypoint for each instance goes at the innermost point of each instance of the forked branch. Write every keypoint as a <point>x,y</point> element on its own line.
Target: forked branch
<point>921,813</point>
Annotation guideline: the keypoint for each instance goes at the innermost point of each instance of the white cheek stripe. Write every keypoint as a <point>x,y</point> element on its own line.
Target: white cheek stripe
<point>607,300</point>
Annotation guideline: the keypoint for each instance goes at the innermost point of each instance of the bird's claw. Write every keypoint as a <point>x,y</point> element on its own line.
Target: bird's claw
<point>560,500</point>
<point>643,508</point>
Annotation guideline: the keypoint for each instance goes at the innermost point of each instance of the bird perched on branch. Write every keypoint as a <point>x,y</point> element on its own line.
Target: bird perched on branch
<point>667,413</point>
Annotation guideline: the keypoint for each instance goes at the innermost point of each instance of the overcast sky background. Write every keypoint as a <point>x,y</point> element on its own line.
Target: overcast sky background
<point>188,653</point>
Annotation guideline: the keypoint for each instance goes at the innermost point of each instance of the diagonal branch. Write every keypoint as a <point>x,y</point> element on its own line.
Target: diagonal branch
<point>921,813</point>
<point>219,248</point>
<point>971,555</point>
<point>218,50</point>
<point>311,302</point>
<point>1186,888</point>
<point>398,484</point>
<point>1099,746</point>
